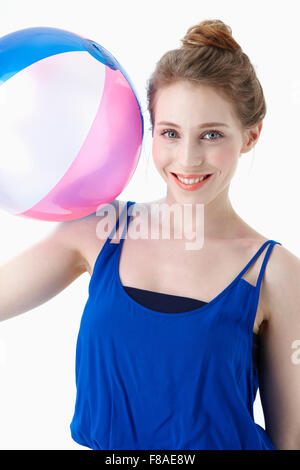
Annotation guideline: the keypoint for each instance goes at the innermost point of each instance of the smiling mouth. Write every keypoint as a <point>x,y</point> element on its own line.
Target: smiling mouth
<point>191,186</point>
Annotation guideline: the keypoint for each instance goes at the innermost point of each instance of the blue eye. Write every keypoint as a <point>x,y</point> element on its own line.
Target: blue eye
<point>213,132</point>
<point>166,131</point>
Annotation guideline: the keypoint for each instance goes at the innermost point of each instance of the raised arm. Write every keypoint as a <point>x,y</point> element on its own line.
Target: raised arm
<point>41,271</point>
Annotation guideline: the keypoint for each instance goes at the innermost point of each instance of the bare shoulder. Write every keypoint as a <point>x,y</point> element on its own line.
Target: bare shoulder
<point>88,234</point>
<point>281,279</point>
<point>283,266</point>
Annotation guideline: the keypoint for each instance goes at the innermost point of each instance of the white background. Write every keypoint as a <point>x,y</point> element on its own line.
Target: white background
<point>37,348</point>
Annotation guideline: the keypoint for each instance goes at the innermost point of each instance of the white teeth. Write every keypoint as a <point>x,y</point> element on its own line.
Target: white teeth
<point>191,180</point>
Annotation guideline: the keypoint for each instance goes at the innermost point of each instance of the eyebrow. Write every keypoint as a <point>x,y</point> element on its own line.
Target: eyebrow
<point>205,124</point>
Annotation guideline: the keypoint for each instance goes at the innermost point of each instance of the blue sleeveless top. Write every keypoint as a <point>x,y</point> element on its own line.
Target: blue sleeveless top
<point>174,304</point>
<point>150,380</point>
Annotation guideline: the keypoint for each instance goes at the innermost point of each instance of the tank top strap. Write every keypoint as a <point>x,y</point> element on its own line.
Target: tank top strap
<point>264,263</point>
<point>126,209</point>
<point>263,266</point>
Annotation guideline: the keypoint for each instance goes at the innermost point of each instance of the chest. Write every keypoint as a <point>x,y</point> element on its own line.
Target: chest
<point>165,266</point>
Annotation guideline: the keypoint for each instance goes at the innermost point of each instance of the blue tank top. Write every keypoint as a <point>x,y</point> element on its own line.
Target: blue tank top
<point>150,380</point>
<point>175,304</point>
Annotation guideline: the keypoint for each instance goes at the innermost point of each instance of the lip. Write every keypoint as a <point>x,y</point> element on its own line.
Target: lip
<point>190,187</point>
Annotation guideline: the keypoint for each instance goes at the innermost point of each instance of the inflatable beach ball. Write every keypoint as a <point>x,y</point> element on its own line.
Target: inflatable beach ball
<point>71,126</point>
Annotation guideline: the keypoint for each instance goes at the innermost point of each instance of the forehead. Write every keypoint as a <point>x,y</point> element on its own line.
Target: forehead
<point>183,102</point>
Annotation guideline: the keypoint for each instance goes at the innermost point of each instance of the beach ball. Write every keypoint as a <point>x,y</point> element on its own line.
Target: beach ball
<point>71,126</point>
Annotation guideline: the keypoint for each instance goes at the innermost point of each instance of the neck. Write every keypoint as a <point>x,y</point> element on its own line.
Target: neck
<point>218,217</point>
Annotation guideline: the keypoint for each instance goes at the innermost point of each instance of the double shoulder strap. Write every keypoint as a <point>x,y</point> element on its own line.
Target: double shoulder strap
<point>125,209</point>
<point>264,263</point>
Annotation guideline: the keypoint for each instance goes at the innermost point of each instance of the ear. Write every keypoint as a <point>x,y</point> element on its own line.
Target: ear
<point>251,137</point>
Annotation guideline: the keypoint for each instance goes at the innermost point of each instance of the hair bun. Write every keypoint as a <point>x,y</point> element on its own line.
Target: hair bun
<point>210,33</point>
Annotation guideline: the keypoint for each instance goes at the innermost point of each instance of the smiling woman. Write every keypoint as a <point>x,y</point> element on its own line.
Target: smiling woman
<point>165,348</point>
<point>210,99</point>
<point>192,148</point>
<point>206,108</point>
<point>183,377</point>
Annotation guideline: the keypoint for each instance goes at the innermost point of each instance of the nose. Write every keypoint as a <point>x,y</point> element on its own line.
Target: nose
<point>190,156</point>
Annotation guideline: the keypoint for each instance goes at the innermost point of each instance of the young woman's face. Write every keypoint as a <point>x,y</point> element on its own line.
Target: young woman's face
<point>192,146</point>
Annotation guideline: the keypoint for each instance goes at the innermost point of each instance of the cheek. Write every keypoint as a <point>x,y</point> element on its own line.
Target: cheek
<point>160,157</point>
<point>160,164</point>
<point>225,159</point>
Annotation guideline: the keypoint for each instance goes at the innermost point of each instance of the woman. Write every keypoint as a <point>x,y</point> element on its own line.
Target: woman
<point>166,351</point>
